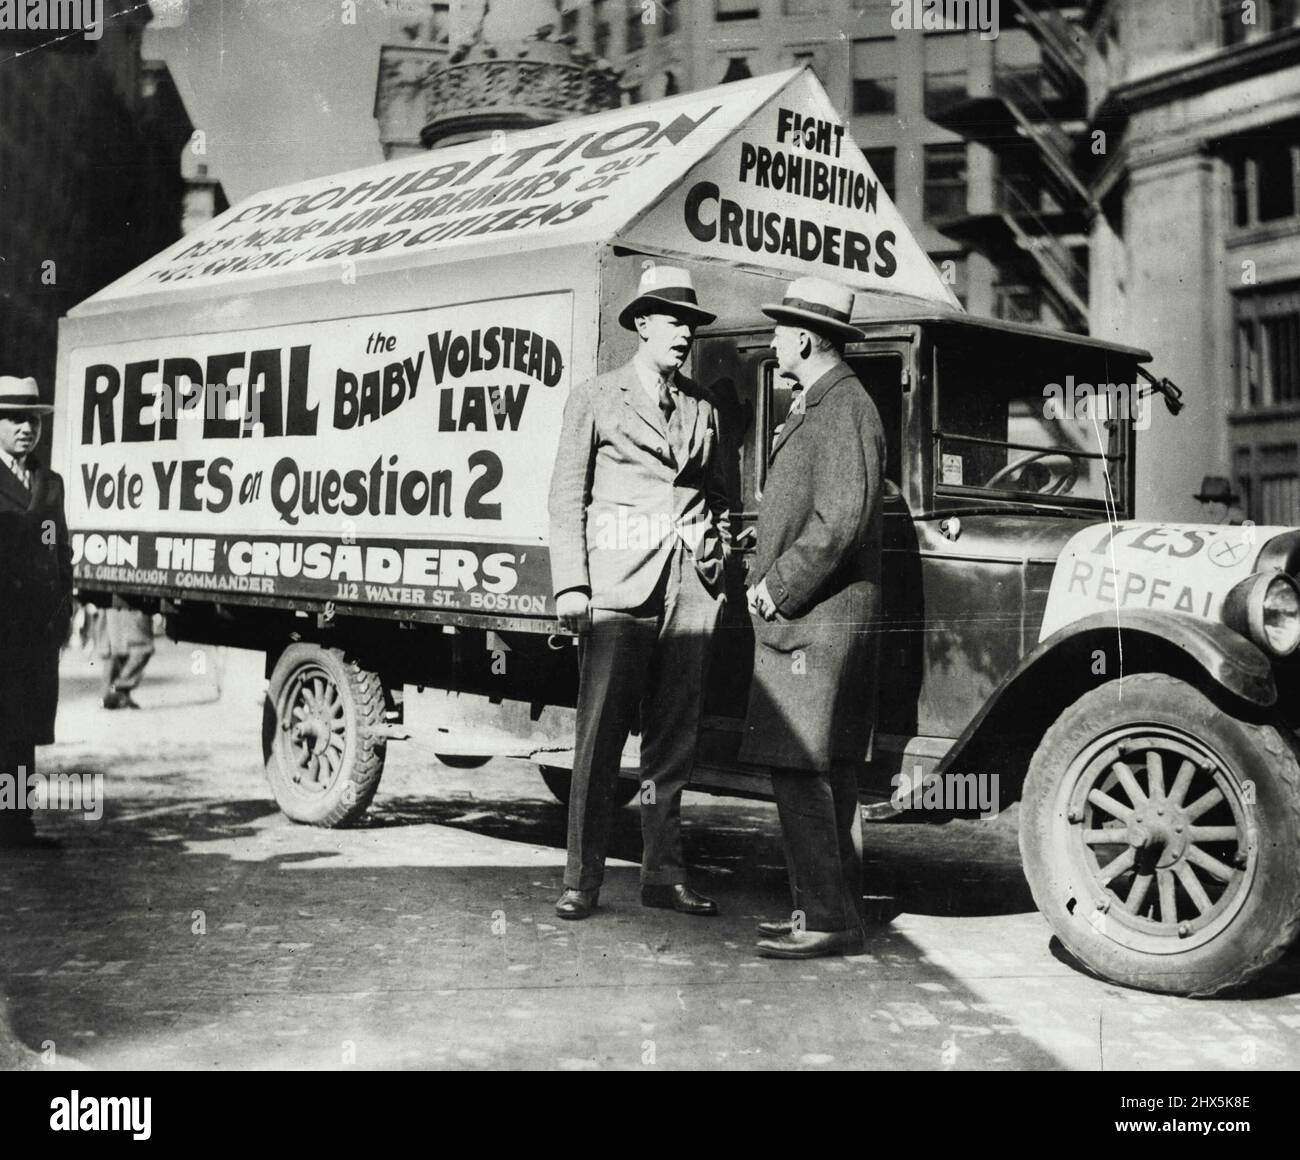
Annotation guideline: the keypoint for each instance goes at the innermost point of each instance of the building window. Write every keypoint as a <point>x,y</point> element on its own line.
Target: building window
<point>668,11</point>
<point>807,56</point>
<point>635,29</point>
<point>671,85</point>
<point>945,71</point>
<point>736,9</point>
<point>1019,185</point>
<point>945,181</point>
<point>882,165</point>
<point>600,27</point>
<point>1017,303</point>
<point>875,75</point>
<point>569,22</point>
<point>1242,20</point>
<point>1268,349</point>
<point>1265,178</point>
<point>1268,480</point>
<point>737,70</point>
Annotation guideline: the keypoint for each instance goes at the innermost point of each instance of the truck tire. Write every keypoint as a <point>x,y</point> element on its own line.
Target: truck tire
<point>323,759</point>
<point>559,779</point>
<point>1161,837</point>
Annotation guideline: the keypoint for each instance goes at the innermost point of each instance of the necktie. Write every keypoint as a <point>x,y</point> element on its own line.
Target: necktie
<point>666,404</point>
<point>23,475</point>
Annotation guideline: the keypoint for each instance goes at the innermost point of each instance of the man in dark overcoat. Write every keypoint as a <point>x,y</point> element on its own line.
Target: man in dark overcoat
<point>815,592</point>
<point>639,535</point>
<point>35,598</point>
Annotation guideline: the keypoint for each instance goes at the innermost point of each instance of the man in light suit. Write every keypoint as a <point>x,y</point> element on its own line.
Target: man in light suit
<point>35,595</point>
<point>639,535</point>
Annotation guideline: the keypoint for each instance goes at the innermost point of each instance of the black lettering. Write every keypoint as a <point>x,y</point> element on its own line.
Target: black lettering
<point>101,387</point>
<point>701,192</point>
<point>475,508</point>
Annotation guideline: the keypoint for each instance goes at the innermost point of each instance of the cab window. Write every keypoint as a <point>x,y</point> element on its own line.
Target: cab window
<point>1042,422</point>
<point>881,377</point>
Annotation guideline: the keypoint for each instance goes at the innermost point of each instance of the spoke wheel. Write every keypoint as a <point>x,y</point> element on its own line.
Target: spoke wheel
<point>1161,837</point>
<point>1164,835</point>
<point>323,759</point>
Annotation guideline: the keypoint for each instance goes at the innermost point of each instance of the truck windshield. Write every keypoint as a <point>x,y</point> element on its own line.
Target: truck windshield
<point>1042,423</point>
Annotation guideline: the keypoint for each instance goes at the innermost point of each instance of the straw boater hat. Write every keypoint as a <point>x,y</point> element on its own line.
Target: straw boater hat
<point>21,395</point>
<point>817,305</point>
<point>665,290</point>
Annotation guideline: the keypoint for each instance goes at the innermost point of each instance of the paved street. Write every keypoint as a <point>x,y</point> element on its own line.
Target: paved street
<point>194,927</point>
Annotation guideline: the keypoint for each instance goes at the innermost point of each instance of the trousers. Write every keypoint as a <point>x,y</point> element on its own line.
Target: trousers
<point>127,647</point>
<point>821,825</point>
<point>16,823</point>
<point>653,659</point>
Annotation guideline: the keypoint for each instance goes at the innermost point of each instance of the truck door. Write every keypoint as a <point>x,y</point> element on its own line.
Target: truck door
<point>740,371</point>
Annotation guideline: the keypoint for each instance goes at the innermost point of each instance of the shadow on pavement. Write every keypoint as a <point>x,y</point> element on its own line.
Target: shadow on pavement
<point>200,933</point>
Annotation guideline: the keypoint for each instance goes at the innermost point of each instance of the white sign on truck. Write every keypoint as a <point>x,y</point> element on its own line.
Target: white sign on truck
<point>250,460</point>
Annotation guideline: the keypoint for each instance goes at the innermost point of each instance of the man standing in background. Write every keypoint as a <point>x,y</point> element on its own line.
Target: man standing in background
<point>35,596</point>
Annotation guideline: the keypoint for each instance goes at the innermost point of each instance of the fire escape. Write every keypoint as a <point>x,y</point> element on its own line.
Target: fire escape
<point>1033,121</point>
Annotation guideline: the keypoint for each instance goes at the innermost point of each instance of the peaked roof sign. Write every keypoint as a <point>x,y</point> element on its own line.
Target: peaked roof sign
<point>791,190</point>
<point>761,172</point>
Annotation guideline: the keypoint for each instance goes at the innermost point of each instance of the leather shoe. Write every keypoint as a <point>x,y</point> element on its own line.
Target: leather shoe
<point>576,903</point>
<point>775,929</point>
<point>679,897</point>
<point>811,944</point>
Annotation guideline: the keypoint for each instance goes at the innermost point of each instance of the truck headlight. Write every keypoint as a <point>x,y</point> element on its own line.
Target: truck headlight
<point>1266,608</point>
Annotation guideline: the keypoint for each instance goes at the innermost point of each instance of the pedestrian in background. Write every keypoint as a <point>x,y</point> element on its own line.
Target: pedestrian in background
<point>126,644</point>
<point>35,595</point>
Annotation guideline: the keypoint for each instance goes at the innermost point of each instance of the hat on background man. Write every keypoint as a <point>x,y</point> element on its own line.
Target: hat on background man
<point>817,305</point>
<point>665,290</point>
<point>21,395</point>
<point>1216,489</point>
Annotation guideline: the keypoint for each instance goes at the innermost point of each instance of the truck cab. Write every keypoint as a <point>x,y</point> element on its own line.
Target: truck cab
<point>1002,441</point>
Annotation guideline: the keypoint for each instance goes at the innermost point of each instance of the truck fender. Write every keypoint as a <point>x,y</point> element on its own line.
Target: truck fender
<point>1208,653</point>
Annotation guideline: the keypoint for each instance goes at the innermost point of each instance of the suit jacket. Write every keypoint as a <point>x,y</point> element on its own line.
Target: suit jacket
<point>820,525</point>
<point>35,602</point>
<point>619,492</point>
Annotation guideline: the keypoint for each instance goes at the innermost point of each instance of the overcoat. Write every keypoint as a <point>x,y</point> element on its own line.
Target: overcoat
<point>812,701</point>
<point>35,602</point>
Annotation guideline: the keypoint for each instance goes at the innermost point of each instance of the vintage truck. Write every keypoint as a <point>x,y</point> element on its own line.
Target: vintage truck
<point>322,427</point>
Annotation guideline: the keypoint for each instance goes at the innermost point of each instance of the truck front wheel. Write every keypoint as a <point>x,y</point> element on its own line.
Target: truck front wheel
<point>1161,837</point>
<point>324,756</point>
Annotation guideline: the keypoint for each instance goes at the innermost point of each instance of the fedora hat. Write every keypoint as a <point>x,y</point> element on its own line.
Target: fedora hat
<point>1216,489</point>
<point>818,305</point>
<point>665,290</point>
<point>21,395</point>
